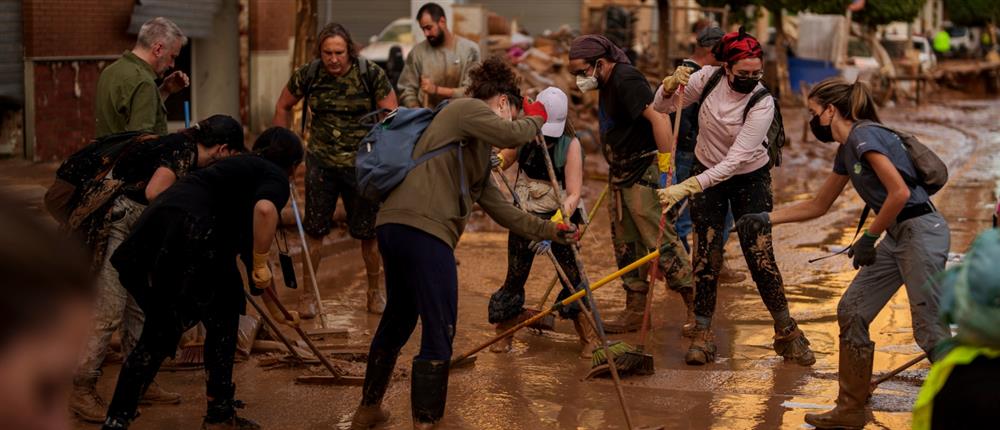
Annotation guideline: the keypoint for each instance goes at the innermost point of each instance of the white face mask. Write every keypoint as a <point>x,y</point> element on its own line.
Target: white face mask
<point>588,83</point>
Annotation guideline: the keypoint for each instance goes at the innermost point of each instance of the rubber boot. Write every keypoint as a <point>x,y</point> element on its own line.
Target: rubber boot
<point>428,392</point>
<point>629,319</point>
<point>688,329</point>
<point>308,307</point>
<point>588,336</point>
<point>85,403</point>
<point>221,413</point>
<point>855,376</point>
<point>376,293</point>
<point>156,395</point>
<point>702,349</point>
<point>791,343</point>
<point>377,376</point>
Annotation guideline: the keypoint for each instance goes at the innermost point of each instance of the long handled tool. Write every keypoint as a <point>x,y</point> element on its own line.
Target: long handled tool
<point>337,378</point>
<point>586,226</point>
<point>306,256</point>
<point>896,371</point>
<point>274,328</point>
<point>468,356</point>
<point>587,291</point>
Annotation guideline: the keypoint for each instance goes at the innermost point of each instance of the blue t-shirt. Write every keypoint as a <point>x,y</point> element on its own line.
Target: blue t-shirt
<point>850,161</point>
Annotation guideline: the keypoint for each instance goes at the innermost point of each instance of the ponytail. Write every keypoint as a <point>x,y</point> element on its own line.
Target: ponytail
<point>854,101</point>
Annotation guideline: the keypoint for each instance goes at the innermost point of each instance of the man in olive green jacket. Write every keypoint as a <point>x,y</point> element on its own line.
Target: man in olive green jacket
<point>127,96</point>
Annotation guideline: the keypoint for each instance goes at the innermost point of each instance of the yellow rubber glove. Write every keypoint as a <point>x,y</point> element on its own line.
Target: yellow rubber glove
<point>671,195</point>
<point>680,77</point>
<point>663,161</point>
<point>261,273</point>
<point>557,218</point>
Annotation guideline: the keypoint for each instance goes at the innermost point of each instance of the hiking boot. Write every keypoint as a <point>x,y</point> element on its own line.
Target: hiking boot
<point>86,404</point>
<point>791,343</point>
<point>221,415</point>
<point>688,329</point>
<point>588,337</point>
<point>378,373</point>
<point>156,395</point>
<point>854,375</point>
<point>702,349</point>
<point>376,293</point>
<point>730,276</point>
<point>629,319</point>
<point>428,392</point>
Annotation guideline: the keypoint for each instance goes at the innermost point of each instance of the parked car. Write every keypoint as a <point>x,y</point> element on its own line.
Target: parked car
<point>925,54</point>
<point>964,41</point>
<point>397,33</point>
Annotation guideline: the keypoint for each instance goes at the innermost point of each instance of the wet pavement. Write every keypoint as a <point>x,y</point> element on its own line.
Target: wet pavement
<point>538,384</point>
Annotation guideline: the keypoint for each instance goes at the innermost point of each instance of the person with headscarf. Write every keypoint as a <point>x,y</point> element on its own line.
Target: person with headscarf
<point>636,140</point>
<point>731,170</point>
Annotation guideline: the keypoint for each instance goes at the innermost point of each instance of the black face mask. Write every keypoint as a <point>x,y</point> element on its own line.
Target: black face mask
<point>743,85</point>
<point>823,133</point>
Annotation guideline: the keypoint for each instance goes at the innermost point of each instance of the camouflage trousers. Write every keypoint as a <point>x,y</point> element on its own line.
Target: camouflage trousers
<point>115,307</point>
<point>635,230</point>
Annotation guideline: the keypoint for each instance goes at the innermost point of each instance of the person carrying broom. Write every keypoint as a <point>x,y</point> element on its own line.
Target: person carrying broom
<point>535,195</point>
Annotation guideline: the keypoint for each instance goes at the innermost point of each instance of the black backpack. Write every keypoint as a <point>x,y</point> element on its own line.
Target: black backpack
<point>775,134</point>
<point>312,75</point>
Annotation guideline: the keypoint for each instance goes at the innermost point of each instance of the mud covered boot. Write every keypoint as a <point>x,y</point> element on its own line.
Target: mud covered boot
<point>156,395</point>
<point>222,416</point>
<point>428,392</point>
<point>730,276</point>
<point>629,319</point>
<point>308,307</point>
<point>588,337</point>
<point>507,343</point>
<point>702,349</point>
<point>688,329</point>
<point>854,375</point>
<point>86,404</point>
<point>791,343</point>
<point>376,293</point>
<point>377,376</point>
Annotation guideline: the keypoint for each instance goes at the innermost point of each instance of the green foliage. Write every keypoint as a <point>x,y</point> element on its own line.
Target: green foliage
<point>972,12</point>
<point>884,12</point>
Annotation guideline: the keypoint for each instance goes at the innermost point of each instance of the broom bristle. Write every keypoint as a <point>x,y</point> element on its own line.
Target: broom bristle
<point>635,363</point>
<point>191,354</point>
<point>616,349</point>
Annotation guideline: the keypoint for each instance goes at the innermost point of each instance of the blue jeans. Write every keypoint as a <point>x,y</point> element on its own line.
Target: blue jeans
<point>682,170</point>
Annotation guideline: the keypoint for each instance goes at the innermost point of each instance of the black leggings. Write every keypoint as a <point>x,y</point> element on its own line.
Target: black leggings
<point>420,281</point>
<point>747,193</point>
<point>508,301</point>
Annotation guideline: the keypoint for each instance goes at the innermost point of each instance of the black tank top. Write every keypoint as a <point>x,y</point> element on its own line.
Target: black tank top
<point>532,161</point>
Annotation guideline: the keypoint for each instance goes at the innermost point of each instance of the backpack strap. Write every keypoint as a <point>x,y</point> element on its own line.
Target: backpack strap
<point>312,75</point>
<point>713,81</point>
<point>861,223</point>
<point>754,99</point>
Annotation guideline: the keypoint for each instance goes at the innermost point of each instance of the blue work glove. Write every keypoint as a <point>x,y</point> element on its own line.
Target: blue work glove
<point>750,225</point>
<point>863,250</point>
<point>540,248</point>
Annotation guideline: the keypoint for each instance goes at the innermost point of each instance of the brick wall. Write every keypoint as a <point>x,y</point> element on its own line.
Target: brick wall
<point>271,24</point>
<point>64,106</point>
<point>76,27</point>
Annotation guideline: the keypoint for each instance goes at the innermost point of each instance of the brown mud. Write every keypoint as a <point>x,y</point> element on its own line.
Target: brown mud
<point>538,384</point>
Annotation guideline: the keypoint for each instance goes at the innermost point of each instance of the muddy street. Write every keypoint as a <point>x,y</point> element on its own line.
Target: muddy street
<point>539,383</point>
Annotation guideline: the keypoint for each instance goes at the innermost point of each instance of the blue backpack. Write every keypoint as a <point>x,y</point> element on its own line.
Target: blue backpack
<point>385,155</point>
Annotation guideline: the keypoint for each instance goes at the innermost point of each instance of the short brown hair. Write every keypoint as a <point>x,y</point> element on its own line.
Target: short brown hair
<point>331,30</point>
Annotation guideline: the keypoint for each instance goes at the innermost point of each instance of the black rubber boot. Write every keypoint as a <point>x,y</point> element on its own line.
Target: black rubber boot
<point>221,413</point>
<point>377,377</point>
<point>428,392</point>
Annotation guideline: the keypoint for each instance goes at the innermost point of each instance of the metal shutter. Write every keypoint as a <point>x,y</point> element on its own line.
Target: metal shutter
<point>194,17</point>
<point>363,18</point>
<point>11,53</point>
<point>535,16</point>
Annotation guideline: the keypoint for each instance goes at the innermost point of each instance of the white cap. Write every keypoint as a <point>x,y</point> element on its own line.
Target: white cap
<point>556,104</point>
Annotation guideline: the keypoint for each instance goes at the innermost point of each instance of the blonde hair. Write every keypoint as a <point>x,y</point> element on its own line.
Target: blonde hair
<point>854,101</point>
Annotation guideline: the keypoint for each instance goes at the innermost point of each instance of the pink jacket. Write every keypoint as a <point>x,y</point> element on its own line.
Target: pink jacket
<point>726,145</point>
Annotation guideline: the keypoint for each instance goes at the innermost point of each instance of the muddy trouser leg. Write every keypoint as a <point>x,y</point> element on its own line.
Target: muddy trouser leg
<point>221,321</point>
<point>564,255</point>
<point>627,244</point>
<point>114,304</point>
<point>751,193</point>
<point>708,211</point>
<point>921,250</point>
<point>508,301</point>
<point>322,192</point>
<point>683,162</point>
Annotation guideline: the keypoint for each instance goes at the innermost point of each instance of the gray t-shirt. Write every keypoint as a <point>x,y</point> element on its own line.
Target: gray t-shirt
<point>865,137</point>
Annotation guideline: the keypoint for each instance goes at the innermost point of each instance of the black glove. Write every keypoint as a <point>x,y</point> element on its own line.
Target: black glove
<point>751,225</point>
<point>863,250</point>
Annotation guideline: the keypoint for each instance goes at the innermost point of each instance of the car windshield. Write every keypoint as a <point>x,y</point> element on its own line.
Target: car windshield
<point>399,33</point>
<point>918,45</point>
<point>957,31</point>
